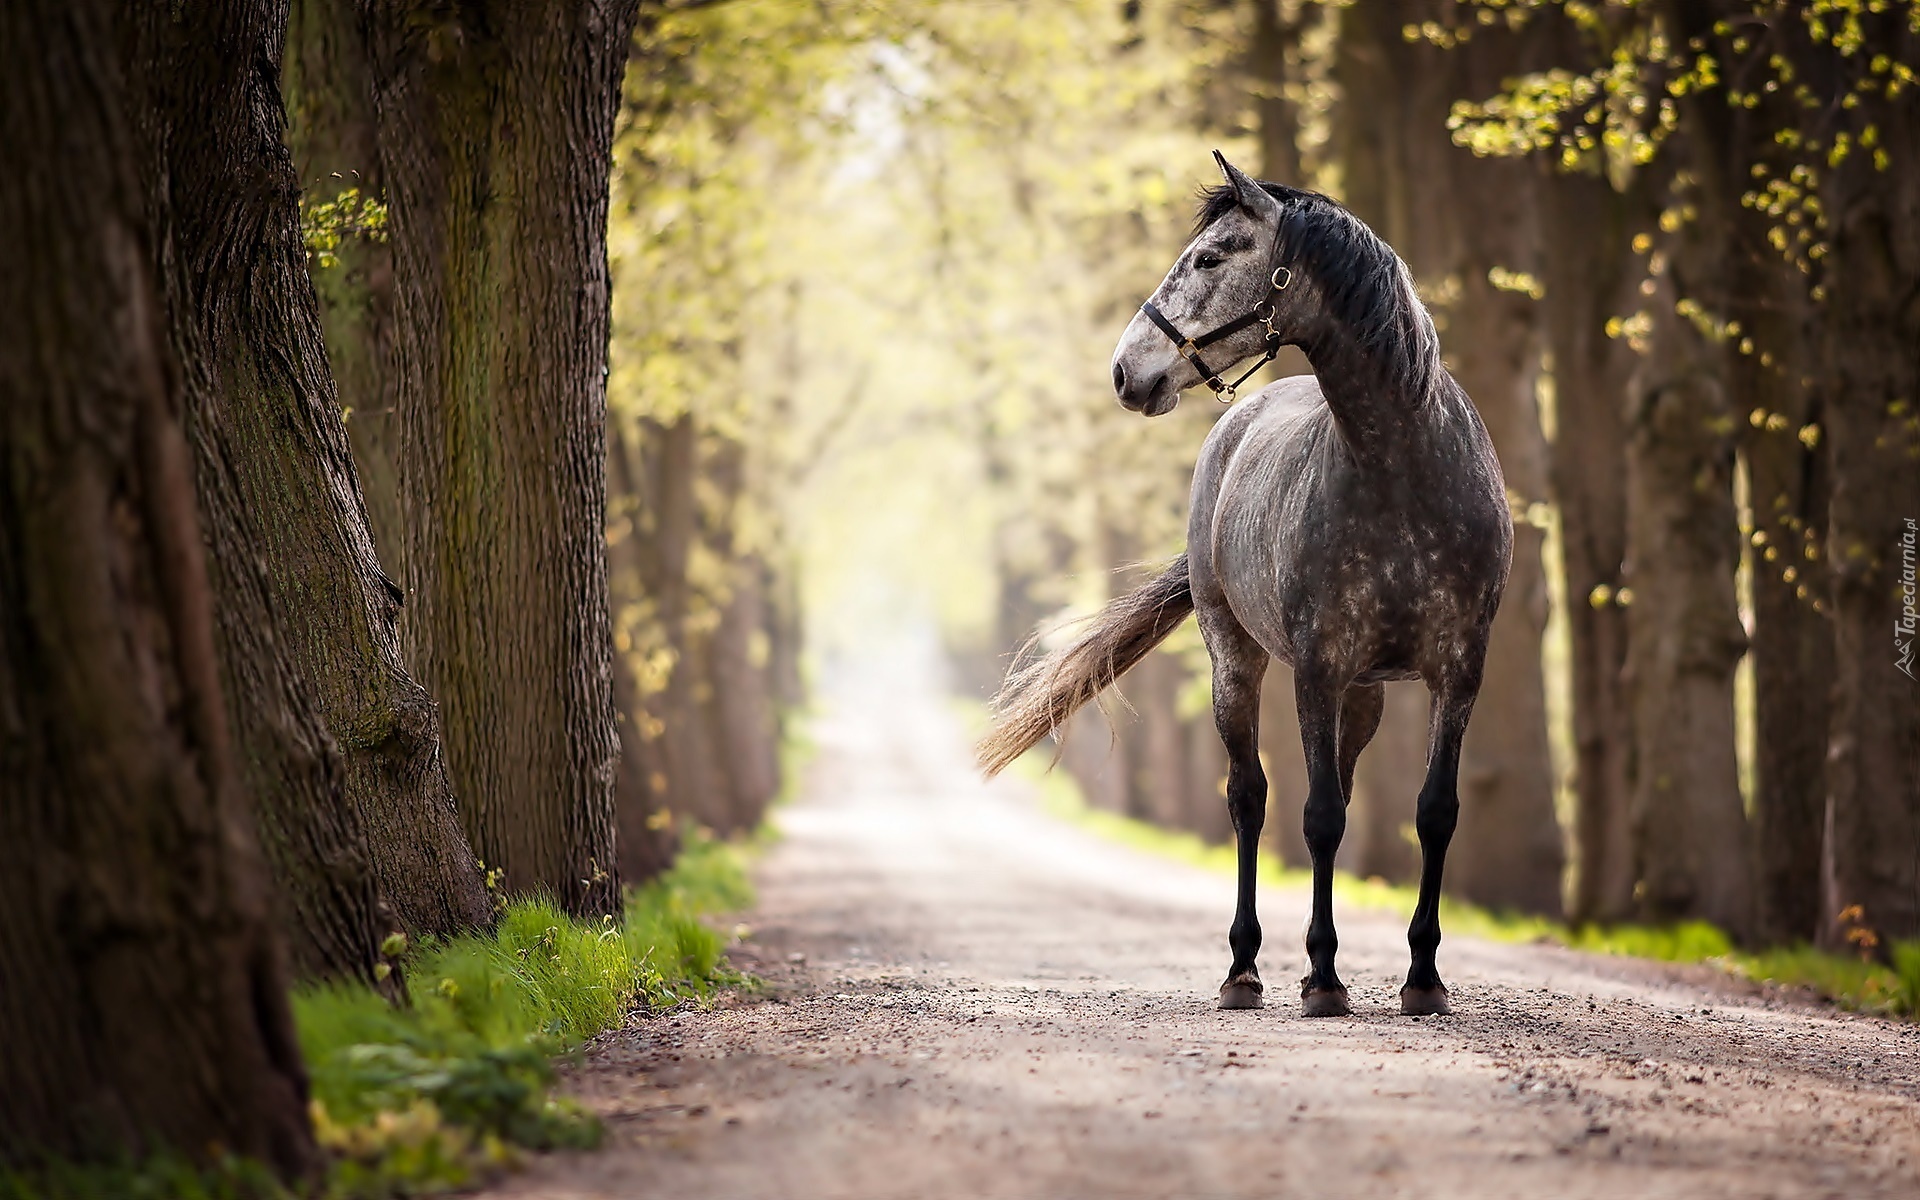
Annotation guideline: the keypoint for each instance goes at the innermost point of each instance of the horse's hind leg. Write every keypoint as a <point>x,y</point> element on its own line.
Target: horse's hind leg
<point>1238,665</point>
<point>1434,819</point>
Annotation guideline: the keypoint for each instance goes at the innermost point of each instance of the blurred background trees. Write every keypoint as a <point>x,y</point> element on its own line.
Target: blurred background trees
<point>887,249</point>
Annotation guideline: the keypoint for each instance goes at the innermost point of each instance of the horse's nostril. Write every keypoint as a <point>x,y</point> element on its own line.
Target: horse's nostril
<point>1119,379</point>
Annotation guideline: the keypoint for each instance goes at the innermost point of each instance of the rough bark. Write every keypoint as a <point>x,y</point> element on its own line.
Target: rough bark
<point>1870,326</point>
<point>225,233</point>
<point>1586,229</point>
<point>147,1004</point>
<point>496,126</point>
<point>695,775</point>
<point>339,744</point>
<point>1684,639</point>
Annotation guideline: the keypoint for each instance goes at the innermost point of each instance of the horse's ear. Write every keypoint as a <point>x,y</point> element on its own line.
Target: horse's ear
<point>1251,195</point>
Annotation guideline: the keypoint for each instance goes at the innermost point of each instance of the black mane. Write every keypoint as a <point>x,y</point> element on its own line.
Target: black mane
<point>1367,290</point>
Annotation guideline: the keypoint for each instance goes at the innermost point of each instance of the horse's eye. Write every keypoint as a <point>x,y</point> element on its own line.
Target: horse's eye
<point>1206,261</point>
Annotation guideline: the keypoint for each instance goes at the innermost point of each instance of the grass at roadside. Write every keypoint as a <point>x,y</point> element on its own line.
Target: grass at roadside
<point>1851,983</point>
<point>429,1095</point>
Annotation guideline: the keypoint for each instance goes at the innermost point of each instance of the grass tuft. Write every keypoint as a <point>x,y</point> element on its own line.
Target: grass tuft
<point>431,1095</point>
<point>165,1177</point>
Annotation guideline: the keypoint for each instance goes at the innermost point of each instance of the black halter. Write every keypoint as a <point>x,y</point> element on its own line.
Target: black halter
<point>1260,314</point>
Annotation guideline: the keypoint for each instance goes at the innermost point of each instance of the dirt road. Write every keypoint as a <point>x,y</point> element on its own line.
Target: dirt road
<point>972,999</point>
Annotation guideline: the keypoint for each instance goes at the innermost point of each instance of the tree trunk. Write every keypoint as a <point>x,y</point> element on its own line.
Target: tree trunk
<point>740,709</point>
<point>749,731</point>
<point>1285,762</point>
<point>1871,327</point>
<point>1160,779</point>
<point>667,522</point>
<point>1508,852</point>
<point>1386,783</point>
<point>1791,646</point>
<point>339,744</point>
<point>1586,230</point>
<point>335,143</point>
<point>147,1004</point>
<point>1272,58</point>
<point>1090,752</point>
<point>646,841</point>
<point>496,127</point>
<point>1684,636</point>
<point>1397,96</point>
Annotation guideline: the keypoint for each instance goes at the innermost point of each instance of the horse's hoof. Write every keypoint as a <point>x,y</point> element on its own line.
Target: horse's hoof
<point>1424,1002</point>
<point>1324,1002</point>
<point>1242,991</point>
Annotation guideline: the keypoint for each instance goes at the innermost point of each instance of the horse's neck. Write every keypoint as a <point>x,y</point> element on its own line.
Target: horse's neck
<point>1378,407</point>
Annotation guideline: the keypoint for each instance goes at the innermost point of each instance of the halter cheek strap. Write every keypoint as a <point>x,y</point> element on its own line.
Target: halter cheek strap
<point>1260,314</point>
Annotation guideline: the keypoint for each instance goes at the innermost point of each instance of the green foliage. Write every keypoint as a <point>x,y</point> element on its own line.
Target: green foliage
<point>1861,985</point>
<point>165,1177</point>
<point>324,226</point>
<point>1821,76</point>
<point>429,1095</point>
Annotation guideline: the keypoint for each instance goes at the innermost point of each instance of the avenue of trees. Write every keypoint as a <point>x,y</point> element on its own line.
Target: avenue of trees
<point>304,538</point>
<point>424,429</point>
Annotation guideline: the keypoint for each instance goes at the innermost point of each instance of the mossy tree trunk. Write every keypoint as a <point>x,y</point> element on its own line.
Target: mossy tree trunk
<point>339,743</point>
<point>395,766</point>
<point>258,404</point>
<point>145,1008</point>
<point>495,129</point>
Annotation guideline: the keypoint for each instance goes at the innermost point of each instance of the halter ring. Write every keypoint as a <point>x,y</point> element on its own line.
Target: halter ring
<point>1280,284</point>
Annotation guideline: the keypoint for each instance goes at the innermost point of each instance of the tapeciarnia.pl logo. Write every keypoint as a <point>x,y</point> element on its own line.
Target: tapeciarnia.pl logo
<point>1909,619</point>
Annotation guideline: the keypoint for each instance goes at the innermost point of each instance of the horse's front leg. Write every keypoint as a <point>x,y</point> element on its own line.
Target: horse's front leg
<point>1238,665</point>
<point>1434,819</point>
<point>1318,697</point>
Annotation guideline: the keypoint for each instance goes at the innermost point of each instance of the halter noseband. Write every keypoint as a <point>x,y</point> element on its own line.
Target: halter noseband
<point>1260,314</point>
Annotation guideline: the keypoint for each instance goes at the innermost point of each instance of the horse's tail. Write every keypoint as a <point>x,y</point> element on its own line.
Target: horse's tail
<point>1038,698</point>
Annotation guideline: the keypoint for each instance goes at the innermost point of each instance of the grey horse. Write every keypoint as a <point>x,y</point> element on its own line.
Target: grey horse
<point>1352,523</point>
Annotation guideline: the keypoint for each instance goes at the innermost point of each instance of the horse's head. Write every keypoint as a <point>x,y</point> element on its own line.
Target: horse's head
<point>1230,296</point>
